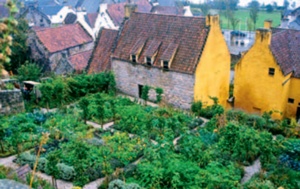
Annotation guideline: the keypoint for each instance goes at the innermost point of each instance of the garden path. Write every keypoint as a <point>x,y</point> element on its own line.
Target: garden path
<point>8,162</point>
<point>251,170</point>
<point>203,124</point>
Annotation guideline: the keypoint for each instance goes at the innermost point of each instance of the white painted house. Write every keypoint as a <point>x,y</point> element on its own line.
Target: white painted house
<point>56,14</point>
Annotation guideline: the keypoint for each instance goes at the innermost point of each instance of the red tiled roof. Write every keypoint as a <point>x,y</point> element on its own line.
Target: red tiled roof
<point>79,61</point>
<point>100,60</point>
<point>285,46</point>
<point>92,17</point>
<point>117,12</point>
<point>60,38</point>
<point>187,34</point>
<point>169,10</point>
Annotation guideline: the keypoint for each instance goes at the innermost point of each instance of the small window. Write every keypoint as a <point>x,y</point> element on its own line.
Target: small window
<point>60,16</point>
<point>133,58</point>
<point>148,61</point>
<point>41,20</point>
<point>290,100</point>
<point>298,104</point>
<point>271,71</point>
<point>166,64</point>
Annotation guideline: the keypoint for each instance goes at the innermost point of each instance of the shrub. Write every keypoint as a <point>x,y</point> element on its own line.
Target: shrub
<point>159,92</point>
<point>66,172</point>
<point>196,107</point>
<point>26,158</point>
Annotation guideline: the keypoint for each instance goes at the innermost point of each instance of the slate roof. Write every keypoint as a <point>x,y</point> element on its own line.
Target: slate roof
<point>90,19</point>
<point>117,12</point>
<point>79,61</point>
<point>51,10</point>
<point>170,10</point>
<point>166,2</point>
<point>100,60</point>
<point>91,6</point>
<point>3,11</point>
<point>185,37</point>
<point>63,37</point>
<point>70,18</point>
<point>285,46</point>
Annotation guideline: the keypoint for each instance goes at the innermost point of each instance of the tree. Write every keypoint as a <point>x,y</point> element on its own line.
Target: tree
<point>7,27</point>
<point>293,5</point>
<point>100,109</point>
<point>286,4</point>
<point>19,47</point>
<point>29,71</point>
<point>84,103</point>
<point>204,8</point>
<point>233,21</point>
<point>269,8</point>
<point>254,9</point>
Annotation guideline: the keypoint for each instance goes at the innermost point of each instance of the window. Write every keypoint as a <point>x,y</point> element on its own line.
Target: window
<point>298,104</point>
<point>290,100</point>
<point>271,71</point>
<point>166,64</point>
<point>133,58</point>
<point>148,61</point>
<point>41,20</point>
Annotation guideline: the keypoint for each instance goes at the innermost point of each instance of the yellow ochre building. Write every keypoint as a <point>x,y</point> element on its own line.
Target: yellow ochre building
<point>267,78</point>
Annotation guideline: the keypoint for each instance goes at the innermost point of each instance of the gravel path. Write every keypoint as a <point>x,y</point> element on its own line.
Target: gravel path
<point>251,170</point>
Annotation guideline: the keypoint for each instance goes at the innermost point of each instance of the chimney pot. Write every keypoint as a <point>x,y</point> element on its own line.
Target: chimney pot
<point>129,9</point>
<point>268,24</point>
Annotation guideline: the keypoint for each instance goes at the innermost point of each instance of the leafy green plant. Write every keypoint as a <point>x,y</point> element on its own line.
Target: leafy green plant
<point>159,92</point>
<point>29,71</point>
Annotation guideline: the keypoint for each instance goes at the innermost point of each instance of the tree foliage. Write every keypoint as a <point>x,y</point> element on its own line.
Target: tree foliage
<point>254,9</point>
<point>29,71</point>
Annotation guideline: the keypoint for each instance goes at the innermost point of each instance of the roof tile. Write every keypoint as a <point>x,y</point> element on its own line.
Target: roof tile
<point>117,12</point>
<point>188,34</point>
<point>79,61</point>
<point>59,38</point>
<point>285,46</point>
<point>100,60</point>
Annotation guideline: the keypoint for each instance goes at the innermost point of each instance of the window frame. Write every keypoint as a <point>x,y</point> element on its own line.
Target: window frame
<point>291,100</point>
<point>134,58</point>
<point>271,71</point>
<point>164,64</point>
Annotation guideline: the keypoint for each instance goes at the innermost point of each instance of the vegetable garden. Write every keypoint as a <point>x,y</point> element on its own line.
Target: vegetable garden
<point>139,147</point>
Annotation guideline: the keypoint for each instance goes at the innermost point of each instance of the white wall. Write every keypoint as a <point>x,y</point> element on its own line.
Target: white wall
<point>61,15</point>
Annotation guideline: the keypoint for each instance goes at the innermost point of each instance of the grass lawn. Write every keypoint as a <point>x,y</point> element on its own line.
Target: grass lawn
<point>243,15</point>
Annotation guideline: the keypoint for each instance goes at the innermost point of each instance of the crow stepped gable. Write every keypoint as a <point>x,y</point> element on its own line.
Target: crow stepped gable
<point>267,78</point>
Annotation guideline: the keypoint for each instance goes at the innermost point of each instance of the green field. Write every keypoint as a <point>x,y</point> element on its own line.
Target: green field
<point>243,15</point>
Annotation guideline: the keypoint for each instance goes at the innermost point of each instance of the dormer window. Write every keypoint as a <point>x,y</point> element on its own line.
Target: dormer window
<point>149,61</point>
<point>133,58</point>
<point>166,65</point>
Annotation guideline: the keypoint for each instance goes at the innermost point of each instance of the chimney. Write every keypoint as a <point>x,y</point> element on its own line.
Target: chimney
<point>130,8</point>
<point>268,24</point>
<point>212,20</point>
<point>263,36</point>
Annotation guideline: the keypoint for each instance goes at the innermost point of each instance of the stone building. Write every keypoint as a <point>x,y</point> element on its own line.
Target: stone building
<point>49,45</point>
<point>267,78</point>
<point>185,56</point>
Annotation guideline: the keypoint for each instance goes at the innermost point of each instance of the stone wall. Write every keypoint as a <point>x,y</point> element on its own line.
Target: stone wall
<point>178,87</point>
<point>11,101</point>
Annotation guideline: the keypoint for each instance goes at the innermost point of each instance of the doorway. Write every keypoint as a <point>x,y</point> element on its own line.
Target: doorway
<point>140,90</point>
<point>298,113</point>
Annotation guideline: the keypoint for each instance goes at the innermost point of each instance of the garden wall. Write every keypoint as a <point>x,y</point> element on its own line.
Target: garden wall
<point>11,101</point>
